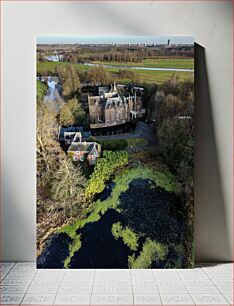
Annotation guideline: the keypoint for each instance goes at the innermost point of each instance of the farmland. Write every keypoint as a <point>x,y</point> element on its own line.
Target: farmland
<point>140,76</point>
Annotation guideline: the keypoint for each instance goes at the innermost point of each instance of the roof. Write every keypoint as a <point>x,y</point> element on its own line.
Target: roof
<point>86,147</point>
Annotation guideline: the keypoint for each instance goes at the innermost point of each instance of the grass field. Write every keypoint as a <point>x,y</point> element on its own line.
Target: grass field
<point>41,90</point>
<point>141,76</point>
<point>156,63</point>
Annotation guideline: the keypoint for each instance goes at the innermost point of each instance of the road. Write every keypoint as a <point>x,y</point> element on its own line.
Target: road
<point>142,130</point>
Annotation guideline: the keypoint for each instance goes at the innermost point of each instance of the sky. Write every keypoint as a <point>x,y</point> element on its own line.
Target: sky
<point>114,39</point>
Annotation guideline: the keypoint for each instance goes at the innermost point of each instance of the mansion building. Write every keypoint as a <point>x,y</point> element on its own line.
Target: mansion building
<point>110,109</point>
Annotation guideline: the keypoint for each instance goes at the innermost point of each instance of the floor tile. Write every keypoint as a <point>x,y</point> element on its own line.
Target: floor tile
<point>38,299</point>
<point>222,282</point>
<point>20,276</point>
<point>176,299</point>
<point>143,282</point>
<point>113,271</point>
<point>229,298</point>
<point>109,277</point>
<point>112,299</point>
<point>225,289</point>
<point>43,289</point>
<point>167,276</point>
<point>171,289</point>
<point>8,264</point>
<point>69,278</point>
<point>112,289</point>
<point>3,275</point>
<point>13,289</point>
<point>46,282</point>
<point>145,289</point>
<point>16,282</point>
<point>207,284</point>
<point>26,264</point>
<point>112,282</point>
<point>113,276</point>
<point>147,299</point>
<point>197,282</point>
<point>5,268</point>
<point>202,289</point>
<point>169,282</point>
<point>77,281</point>
<point>78,275</point>
<point>11,299</point>
<point>142,273</point>
<point>72,299</point>
<point>209,299</point>
<point>49,276</point>
<point>65,289</point>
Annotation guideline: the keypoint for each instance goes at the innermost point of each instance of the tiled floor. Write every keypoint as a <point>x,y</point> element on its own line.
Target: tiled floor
<point>207,284</point>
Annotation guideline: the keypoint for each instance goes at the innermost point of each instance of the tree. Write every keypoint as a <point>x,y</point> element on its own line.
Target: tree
<point>169,107</point>
<point>69,78</point>
<point>72,113</point>
<point>177,146</point>
<point>171,86</point>
<point>48,149</point>
<point>68,184</point>
<point>99,75</point>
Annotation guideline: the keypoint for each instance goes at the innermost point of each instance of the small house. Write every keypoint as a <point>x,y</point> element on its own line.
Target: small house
<point>81,150</point>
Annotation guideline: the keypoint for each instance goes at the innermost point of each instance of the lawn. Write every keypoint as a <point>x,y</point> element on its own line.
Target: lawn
<point>50,66</point>
<point>41,90</point>
<point>156,63</point>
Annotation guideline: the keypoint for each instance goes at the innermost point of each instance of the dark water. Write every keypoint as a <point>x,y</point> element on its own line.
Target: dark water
<point>107,191</point>
<point>149,209</point>
<point>55,252</point>
<point>145,208</point>
<point>99,248</point>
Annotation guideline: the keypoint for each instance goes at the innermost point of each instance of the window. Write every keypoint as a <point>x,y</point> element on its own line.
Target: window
<point>82,158</point>
<point>75,158</point>
<point>93,156</point>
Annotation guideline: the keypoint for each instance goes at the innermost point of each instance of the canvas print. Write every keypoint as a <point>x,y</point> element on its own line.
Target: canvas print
<point>115,152</point>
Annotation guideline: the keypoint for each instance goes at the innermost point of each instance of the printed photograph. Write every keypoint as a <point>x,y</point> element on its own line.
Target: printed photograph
<point>115,152</point>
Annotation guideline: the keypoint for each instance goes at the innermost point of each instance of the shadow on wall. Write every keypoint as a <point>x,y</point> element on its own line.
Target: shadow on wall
<point>211,232</point>
<point>18,221</point>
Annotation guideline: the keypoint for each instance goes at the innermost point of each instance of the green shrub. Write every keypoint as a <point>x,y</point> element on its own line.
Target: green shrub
<point>104,168</point>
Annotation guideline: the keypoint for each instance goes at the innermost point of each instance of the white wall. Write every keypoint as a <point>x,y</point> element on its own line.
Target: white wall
<point>211,24</point>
